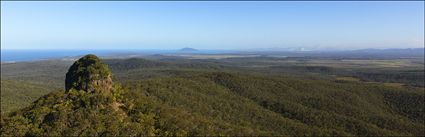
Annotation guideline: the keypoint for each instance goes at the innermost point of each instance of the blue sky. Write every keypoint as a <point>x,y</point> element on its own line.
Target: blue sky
<point>211,25</point>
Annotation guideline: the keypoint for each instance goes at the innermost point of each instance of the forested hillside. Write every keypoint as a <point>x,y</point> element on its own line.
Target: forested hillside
<point>196,97</point>
<point>17,94</point>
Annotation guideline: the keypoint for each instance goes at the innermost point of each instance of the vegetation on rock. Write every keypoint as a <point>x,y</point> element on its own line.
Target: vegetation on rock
<point>89,74</point>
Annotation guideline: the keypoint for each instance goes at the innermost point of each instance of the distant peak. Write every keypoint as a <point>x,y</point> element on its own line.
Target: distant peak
<point>188,49</point>
<point>89,74</point>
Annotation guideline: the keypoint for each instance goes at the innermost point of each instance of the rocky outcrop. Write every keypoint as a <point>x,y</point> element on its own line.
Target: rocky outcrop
<point>89,74</point>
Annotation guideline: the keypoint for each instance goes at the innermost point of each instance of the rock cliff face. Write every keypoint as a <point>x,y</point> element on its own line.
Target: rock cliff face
<point>89,74</point>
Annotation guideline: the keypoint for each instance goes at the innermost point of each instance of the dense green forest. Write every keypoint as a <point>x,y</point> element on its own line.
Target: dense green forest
<point>234,96</point>
<point>16,94</point>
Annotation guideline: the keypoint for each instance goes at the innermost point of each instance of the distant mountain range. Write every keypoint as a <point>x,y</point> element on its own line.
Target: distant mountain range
<point>387,53</point>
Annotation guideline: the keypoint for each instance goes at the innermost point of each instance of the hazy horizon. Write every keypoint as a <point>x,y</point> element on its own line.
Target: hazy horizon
<point>211,25</point>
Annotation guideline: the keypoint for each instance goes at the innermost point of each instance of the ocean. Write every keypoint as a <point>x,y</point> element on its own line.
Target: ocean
<point>8,55</point>
<point>33,55</point>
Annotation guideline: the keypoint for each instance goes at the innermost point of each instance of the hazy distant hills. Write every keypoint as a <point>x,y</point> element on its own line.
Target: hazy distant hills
<point>188,50</point>
<point>378,53</point>
<point>410,52</point>
<point>362,53</point>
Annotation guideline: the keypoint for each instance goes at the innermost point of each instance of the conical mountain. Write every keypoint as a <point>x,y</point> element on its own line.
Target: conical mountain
<point>90,106</point>
<point>89,74</point>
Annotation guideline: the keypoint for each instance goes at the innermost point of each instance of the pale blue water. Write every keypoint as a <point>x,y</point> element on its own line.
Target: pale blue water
<point>32,55</point>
